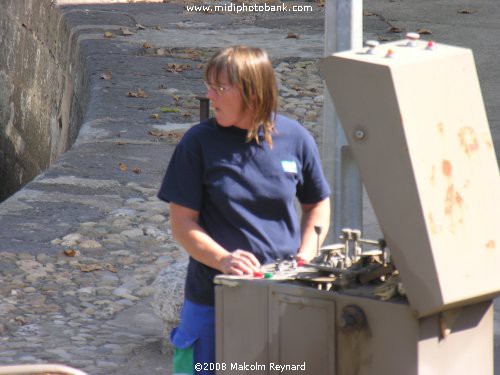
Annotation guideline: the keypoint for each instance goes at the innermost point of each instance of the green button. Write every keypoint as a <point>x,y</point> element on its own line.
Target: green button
<point>268,275</point>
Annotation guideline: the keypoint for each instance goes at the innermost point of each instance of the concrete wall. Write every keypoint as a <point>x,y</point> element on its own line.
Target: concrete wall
<point>42,90</point>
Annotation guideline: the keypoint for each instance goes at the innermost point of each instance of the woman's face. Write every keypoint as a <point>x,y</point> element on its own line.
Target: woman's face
<point>227,103</point>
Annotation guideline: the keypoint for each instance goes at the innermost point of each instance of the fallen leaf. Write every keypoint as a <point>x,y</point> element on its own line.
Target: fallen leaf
<point>90,267</point>
<point>106,75</point>
<point>292,35</point>
<point>161,51</point>
<point>21,320</point>
<point>466,11</point>
<point>122,166</point>
<point>177,68</point>
<point>125,31</point>
<point>137,94</point>
<point>186,114</point>
<point>368,14</point>
<point>383,38</point>
<point>147,45</point>
<point>169,110</point>
<point>136,170</point>
<point>155,116</point>
<point>155,133</point>
<point>140,27</point>
<point>71,252</point>
<point>176,97</point>
<point>164,134</point>
<point>424,32</point>
<point>394,29</point>
<point>109,34</point>
<point>111,268</point>
<point>199,66</point>
<point>157,27</point>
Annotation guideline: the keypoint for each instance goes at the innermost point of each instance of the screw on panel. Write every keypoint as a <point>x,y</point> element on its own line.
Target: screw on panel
<point>359,134</point>
<point>353,319</point>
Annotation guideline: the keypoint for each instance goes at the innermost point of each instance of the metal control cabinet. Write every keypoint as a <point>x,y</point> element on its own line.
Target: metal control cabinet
<point>415,121</point>
<point>261,322</point>
<point>269,323</point>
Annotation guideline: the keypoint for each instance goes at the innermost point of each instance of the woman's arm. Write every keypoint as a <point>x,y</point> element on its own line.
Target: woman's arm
<point>316,214</point>
<point>203,248</point>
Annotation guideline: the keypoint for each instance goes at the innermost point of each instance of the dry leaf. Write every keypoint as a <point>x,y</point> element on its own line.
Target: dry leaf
<point>169,110</point>
<point>157,27</point>
<point>466,11</point>
<point>368,14</point>
<point>164,134</point>
<point>155,116</point>
<point>136,170</point>
<point>176,97</point>
<point>106,75</point>
<point>137,94</point>
<point>161,51</point>
<point>122,166</point>
<point>125,31</point>
<point>394,29</point>
<point>140,27</point>
<point>292,35</point>
<point>21,320</point>
<point>111,268</point>
<point>186,114</point>
<point>383,38</point>
<point>147,45</point>
<point>199,66</point>
<point>109,34</point>
<point>90,267</point>
<point>71,252</point>
<point>424,32</point>
<point>177,68</point>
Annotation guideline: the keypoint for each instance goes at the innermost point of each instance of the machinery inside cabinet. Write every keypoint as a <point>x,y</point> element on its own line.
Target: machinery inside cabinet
<point>420,300</point>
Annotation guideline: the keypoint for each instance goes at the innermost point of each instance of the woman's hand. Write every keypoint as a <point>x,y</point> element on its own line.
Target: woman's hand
<point>239,262</point>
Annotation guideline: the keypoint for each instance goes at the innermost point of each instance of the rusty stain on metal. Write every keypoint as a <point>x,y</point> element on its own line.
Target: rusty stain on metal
<point>432,223</point>
<point>447,168</point>
<point>491,245</point>
<point>453,200</point>
<point>468,140</point>
<point>488,142</point>
<point>448,208</point>
<point>440,128</point>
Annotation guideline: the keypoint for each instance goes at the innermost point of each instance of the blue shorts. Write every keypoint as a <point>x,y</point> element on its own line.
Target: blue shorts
<point>194,340</point>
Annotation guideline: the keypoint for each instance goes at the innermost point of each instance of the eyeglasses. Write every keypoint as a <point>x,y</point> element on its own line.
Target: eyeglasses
<point>219,89</point>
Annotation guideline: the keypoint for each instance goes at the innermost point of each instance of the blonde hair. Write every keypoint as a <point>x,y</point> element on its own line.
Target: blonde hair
<point>251,72</point>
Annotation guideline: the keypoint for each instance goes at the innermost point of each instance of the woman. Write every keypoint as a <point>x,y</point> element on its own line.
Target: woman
<point>232,183</point>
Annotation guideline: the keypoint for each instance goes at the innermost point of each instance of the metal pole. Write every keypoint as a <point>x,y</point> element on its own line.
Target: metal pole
<point>343,31</point>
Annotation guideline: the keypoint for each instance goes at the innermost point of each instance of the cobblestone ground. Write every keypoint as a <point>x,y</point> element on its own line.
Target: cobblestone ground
<point>67,307</point>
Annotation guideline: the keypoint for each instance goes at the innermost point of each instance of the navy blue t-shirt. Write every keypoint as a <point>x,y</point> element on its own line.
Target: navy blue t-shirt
<point>244,192</point>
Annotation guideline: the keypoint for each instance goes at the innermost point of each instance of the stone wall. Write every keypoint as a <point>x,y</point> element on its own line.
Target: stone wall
<point>42,90</point>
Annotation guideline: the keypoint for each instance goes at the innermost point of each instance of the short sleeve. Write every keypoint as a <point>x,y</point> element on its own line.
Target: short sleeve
<point>183,181</point>
<point>314,187</point>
